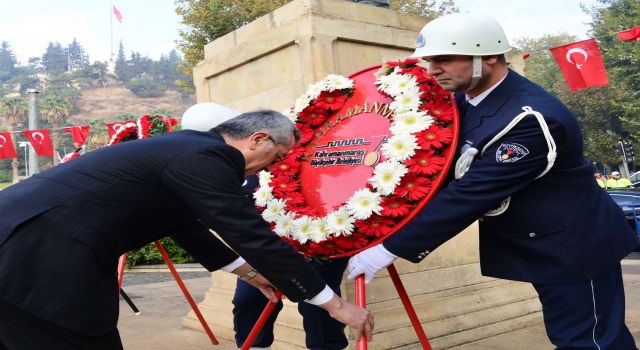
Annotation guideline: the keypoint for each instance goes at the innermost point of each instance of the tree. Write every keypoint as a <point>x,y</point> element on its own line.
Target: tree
<point>122,69</point>
<point>208,20</point>
<point>425,8</point>
<point>14,111</point>
<point>55,59</point>
<point>76,55</point>
<point>8,62</point>
<point>55,110</point>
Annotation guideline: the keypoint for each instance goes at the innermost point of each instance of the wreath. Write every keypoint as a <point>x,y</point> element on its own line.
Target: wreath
<point>421,131</point>
<point>144,127</point>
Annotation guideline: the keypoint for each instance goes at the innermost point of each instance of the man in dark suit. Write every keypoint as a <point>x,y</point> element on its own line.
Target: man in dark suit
<point>61,231</point>
<point>519,146</point>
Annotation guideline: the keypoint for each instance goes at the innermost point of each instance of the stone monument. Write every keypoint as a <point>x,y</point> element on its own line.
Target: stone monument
<point>269,63</point>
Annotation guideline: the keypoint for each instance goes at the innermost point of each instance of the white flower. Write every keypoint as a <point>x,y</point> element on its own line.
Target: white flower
<point>264,178</point>
<point>339,222</point>
<point>400,147</point>
<point>409,100</point>
<point>290,114</point>
<point>275,208</point>
<point>314,90</point>
<point>387,175</point>
<point>400,83</point>
<point>338,82</point>
<point>284,224</point>
<point>319,231</point>
<point>410,122</point>
<point>363,203</point>
<point>301,103</point>
<point>384,82</point>
<point>302,228</point>
<point>263,195</point>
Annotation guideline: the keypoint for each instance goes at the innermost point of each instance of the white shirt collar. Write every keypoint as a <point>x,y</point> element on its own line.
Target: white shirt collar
<point>476,100</point>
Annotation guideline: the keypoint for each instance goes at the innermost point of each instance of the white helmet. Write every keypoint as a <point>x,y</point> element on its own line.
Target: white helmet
<point>206,115</point>
<point>461,34</point>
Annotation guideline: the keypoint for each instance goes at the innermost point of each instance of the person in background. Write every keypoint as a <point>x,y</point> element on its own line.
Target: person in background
<point>519,145</point>
<point>618,182</point>
<point>602,181</point>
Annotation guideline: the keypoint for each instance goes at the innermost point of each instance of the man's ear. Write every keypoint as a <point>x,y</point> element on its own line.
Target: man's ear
<point>257,138</point>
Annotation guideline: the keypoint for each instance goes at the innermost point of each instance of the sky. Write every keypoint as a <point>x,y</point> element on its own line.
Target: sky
<point>151,27</point>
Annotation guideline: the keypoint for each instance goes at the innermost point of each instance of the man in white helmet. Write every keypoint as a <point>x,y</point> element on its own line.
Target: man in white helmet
<point>519,144</point>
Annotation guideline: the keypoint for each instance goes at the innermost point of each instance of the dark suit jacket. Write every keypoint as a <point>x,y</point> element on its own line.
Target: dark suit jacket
<point>62,231</point>
<point>560,228</point>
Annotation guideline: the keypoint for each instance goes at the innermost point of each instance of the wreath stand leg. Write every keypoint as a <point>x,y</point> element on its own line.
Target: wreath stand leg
<point>122,262</point>
<point>186,293</point>
<point>361,300</point>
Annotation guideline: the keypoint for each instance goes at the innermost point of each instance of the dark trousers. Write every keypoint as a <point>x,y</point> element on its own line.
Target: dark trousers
<point>322,331</point>
<point>22,331</point>
<point>588,314</point>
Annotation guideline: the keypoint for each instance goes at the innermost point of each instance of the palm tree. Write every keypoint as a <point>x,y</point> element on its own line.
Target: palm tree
<point>55,109</point>
<point>14,111</point>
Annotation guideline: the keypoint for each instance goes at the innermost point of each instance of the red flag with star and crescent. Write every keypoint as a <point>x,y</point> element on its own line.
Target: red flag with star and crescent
<point>7,150</point>
<point>581,63</point>
<point>40,139</point>
<point>78,133</point>
<point>630,34</point>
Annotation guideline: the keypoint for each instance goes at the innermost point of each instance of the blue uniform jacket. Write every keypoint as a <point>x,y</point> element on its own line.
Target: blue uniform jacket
<point>560,228</point>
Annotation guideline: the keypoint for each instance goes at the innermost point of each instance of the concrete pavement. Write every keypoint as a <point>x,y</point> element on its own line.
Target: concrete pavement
<point>163,306</point>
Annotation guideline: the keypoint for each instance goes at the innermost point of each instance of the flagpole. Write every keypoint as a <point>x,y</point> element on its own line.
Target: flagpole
<point>111,28</point>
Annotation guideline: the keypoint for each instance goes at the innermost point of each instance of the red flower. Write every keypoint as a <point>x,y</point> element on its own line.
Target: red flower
<point>283,185</point>
<point>402,63</point>
<point>435,137</point>
<point>306,133</point>
<point>294,200</point>
<point>374,226</point>
<point>287,167</point>
<point>331,100</point>
<point>443,113</point>
<point>349,243</point>
<point>313,115</point>
<point>425,163</point>
<point>296,153</point>
<point>413,187</point>
<point>395,207</point>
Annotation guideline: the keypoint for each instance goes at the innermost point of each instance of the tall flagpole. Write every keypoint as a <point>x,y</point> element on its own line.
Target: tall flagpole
<point>111,28</point>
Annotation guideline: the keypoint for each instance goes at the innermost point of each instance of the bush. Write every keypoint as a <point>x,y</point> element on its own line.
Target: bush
<point>149,254</point>
<point>5,176</point>
<point>146,88</point>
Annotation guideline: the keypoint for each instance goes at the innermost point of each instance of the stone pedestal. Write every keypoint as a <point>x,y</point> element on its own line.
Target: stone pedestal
<point>269,63</point>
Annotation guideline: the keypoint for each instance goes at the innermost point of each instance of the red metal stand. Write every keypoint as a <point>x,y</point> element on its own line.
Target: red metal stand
<point>361,300</point>
<point>183,288</point>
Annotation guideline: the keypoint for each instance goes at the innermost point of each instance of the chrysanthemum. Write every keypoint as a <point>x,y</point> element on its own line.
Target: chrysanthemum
<point>340,222</point>
<point>338,82</point>
<point>406,102</point>
<point>301,103</point>
<point>399,84</point>
<point>314,90</point>
<point>363,203</point>
<point>264,177</point>
<point>386,176</point>
<point>302,229</point>
<point>275,208</point>
<point>284,224</point>
<point>410,122</point>
<point>263,195</point>
<point>400,147</point>
<point>319,230</point>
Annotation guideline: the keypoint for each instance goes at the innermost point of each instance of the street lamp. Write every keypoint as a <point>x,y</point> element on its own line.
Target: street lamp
<point>25,145</point>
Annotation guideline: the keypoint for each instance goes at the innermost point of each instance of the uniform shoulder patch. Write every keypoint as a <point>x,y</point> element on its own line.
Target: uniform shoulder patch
<point>510,153</point>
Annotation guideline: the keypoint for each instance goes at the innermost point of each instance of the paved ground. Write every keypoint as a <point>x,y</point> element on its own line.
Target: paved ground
<point>163,307</point>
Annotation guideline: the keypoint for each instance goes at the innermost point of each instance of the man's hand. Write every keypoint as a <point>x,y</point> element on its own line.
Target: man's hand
<point>251,276</point>
<point>369,262</point>
<point>352,315</point>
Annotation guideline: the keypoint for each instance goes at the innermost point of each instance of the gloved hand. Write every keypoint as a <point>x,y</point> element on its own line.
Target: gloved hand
<point>369,262</point>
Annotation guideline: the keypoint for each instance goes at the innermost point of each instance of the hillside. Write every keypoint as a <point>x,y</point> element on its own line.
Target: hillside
<point>109,102</point>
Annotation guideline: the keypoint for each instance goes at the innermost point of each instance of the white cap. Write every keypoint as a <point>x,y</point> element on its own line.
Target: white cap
<point>206,115</point>
<point>461,34</point>
<point>615,173</point>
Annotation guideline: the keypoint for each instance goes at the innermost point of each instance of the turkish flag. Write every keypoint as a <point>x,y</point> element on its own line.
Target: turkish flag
<point>79,133</point>
<point>117,13</point>
<point>113,127</point>
<point>7,150</point>
<point>581,63</point>
<point>630,34</point>
<point>41,141</point>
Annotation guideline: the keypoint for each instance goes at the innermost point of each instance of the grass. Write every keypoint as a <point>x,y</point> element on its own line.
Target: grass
<point>4,185</point>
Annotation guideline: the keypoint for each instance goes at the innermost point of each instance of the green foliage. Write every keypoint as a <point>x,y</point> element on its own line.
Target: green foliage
<point>55,109</point>
<point>55,59</point>
<point>146,88</point>
<point>149,254</point>
<point>425,8</point>
<point>205,21</point>
<point>165,112</point>
<point>5,176</point>
<point>8,62</point>
<point>5,184</point>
